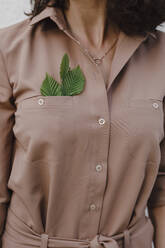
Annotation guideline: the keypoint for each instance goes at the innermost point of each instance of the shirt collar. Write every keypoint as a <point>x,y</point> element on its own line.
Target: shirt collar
<point>56,15</point>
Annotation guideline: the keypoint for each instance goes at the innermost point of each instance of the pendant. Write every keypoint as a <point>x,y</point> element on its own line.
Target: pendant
<point>97,61</point>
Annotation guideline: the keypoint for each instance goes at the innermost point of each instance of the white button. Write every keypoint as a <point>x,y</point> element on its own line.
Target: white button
<point>40,101</point>
<point>99,167</point>
<point>155,105</point>
<point>92,206</point>
<point>101,121</point>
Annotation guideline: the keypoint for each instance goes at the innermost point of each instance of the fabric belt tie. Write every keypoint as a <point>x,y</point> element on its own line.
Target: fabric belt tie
<point>98,241</point>
<point>24,236</point>
<point>44,240</point>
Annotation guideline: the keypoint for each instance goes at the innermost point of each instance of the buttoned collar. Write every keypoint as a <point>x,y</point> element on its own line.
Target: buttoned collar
<point>57,16</point>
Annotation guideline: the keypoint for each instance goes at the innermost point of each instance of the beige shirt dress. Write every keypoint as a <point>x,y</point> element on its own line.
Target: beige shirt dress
<point>79,171</point>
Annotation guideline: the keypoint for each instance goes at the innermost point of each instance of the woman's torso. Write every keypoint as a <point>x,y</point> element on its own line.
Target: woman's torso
<point>83,164</point>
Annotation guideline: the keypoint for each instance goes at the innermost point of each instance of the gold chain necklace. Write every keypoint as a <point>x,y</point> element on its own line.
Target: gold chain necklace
<point>98,60</point>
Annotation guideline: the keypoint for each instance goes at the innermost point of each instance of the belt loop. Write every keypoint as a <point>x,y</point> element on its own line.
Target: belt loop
<point>127,239</point>
<point>44,240</point>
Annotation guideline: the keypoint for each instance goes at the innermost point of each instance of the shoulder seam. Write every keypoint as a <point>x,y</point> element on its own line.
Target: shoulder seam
<point>13,26</point>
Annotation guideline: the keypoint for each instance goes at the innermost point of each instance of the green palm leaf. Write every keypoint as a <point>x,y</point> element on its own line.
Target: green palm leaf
<point>73,82</point>
<point>64,67</point>
<point>50,87</point>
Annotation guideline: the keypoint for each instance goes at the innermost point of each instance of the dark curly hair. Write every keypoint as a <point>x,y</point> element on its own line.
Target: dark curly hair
<point>134,17</point>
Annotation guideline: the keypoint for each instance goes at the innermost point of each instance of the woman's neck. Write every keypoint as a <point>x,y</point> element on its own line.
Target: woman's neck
<point>87,20</point>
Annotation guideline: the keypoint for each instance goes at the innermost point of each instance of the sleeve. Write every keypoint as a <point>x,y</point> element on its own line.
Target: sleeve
<point>157,196</point>
<point>7,109</point>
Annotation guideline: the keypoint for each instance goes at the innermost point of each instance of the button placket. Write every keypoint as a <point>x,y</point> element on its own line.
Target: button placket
<point>97,181</point>
<point>100,177</point>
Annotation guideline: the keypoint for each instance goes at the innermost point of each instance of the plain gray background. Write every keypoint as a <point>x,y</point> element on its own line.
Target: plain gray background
<point>12,11</point>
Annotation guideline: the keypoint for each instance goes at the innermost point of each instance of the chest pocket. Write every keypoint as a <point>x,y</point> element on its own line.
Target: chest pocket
<point>147,117</point>
<point>45,122</point>
<point>152,103</point>
<point>45,102</point>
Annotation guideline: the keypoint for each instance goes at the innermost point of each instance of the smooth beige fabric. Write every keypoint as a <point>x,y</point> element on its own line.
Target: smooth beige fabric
<point>79,171</point>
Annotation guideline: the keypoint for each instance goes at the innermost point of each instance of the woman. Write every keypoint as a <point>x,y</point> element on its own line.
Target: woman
<point>82,148</point>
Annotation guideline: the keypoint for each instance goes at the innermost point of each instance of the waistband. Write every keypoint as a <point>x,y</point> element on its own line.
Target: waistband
<point>19,233</point>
